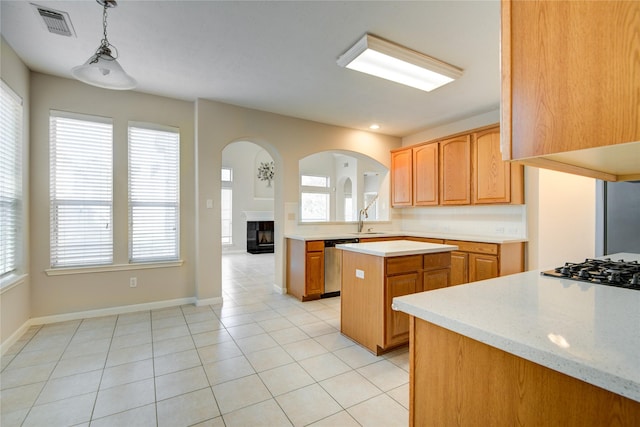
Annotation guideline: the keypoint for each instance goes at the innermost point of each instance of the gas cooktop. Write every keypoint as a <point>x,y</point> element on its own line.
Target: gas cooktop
<point>623,274</point>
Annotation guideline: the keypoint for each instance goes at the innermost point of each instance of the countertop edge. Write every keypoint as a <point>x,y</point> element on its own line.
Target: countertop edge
<point>467,238</point>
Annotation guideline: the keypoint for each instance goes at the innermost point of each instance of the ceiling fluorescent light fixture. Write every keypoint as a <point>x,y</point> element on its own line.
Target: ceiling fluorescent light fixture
<point>102,68</point>
<point>382,58</point>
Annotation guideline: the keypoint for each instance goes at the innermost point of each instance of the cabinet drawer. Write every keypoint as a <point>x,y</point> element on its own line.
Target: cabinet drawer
<point>436,261</point>
<point>315,245</point>
<point>404,264</point>
<point>477,247</point>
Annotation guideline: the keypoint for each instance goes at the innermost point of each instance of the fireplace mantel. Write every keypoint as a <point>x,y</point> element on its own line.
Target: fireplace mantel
<point>258,215</point>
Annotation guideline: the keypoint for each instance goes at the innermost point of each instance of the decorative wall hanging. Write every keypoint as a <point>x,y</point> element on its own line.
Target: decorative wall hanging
<point>266,172</point>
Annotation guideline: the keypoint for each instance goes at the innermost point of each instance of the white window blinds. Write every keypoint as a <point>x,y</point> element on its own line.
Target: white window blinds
<point>81,192</point>
<point>154,184</point>
<point>10,179</point>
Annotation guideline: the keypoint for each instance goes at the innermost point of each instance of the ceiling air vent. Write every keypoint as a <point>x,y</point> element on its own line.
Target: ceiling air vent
<point>55,21</point>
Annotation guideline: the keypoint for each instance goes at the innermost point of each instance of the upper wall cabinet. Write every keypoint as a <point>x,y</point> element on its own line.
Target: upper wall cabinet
<point>461,170</point>
<point>455,171</point>
<point>425,175</point>
<point>571,86</point>
<point>401,178</point>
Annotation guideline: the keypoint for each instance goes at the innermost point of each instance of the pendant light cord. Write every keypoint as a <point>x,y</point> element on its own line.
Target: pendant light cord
<point>105,48</point>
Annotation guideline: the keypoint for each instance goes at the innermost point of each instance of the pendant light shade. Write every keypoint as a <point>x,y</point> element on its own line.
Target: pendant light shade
<point>102,68</point>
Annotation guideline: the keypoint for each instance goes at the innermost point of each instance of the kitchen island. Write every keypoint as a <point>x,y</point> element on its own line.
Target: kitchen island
<point>373,274</point>
<point>525,349</point>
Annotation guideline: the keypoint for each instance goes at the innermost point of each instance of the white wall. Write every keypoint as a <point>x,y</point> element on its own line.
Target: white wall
<point>15,296</point>
<point>562,217</point>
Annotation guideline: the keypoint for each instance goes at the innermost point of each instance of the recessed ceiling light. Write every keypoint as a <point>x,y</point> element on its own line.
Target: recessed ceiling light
<point>382,58</point>
<point>374,126</point>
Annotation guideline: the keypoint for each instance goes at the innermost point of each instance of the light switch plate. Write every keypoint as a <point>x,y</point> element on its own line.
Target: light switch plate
<point>359,274</point>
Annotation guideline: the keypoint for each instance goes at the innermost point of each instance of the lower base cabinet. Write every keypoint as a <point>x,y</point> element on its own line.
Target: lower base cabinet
<point>366,313</point>
<point>475,261</point>
<point>305,269</point>
<point>458,381</point>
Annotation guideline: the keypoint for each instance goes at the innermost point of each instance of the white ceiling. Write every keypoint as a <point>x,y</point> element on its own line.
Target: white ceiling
<point>279,56</point>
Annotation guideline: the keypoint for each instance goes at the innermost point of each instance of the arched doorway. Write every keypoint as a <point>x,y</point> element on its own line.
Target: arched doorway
<point>247,218</point>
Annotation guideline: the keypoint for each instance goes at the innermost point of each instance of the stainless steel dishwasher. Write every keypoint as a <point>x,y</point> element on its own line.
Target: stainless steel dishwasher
<point>333,266</point>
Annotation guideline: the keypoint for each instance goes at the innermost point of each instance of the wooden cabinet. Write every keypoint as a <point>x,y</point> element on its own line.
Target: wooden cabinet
<point>475,261</point>
<point>425,175</point>
<point>397,323</point>
<point>491,177</point>
<point>455,171</point>
<point>305,269</point>
<point>458,381</point>
<point>460,170</point>
<point>459,268</point>
<point>401,178</point>
<point>570,81</point>
<point>369,284</point>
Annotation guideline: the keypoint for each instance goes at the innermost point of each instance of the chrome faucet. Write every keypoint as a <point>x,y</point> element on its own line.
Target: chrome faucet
<point>363,213</point>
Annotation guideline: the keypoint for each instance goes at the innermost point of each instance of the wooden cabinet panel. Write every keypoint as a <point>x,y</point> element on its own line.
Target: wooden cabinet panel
<point>315,273</point>
<point>455,171</point>
<point>479,247</point>
<point>436,279</point>
<point>482,267</point>
<point>554,104</point>
<point>397,322</point>
<point>458,381</point>
<point>491,175</point>
<point>459,268</point>
<point>305,269</point>
<point>403,264</point>
<point>425,175</point>
<point>401,178</point>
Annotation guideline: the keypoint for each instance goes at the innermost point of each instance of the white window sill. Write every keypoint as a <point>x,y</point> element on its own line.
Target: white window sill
<point>109,268</point>
<point>11,281</point>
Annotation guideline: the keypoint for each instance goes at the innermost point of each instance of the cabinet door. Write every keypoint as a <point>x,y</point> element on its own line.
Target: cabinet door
<point>491,175</point>
<point>567,90</point>
<point>482,267</point>
<point>397,322</point>
<point>435,279</point>
<point>459,268</point>
<point>401,178</point>
<point>314,273</point>
<point>455,171</point>
<point>425,175</point>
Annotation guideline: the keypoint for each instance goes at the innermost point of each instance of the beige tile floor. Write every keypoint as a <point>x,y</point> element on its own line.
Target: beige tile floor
<point>259,358</point>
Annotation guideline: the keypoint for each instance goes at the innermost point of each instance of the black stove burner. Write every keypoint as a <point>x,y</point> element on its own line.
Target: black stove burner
<point>623,274</point>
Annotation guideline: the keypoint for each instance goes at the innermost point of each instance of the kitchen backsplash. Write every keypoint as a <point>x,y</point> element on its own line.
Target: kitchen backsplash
<point>498,220</point>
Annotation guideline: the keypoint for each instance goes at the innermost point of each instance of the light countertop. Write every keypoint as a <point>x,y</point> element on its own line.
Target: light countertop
<point>394,248</point>
<point>587,331</point>
<point>434,235</point>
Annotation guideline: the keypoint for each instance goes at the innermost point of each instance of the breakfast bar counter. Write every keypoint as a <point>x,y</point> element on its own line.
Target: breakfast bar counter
<point>556,344</point>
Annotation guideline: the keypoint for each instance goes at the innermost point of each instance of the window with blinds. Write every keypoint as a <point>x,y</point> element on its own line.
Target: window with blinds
<point>154,193</point>
<point>10,179</point>
<point>81,190</point>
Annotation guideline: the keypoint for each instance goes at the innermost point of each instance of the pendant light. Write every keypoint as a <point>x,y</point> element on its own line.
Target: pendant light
<point>102,69</point>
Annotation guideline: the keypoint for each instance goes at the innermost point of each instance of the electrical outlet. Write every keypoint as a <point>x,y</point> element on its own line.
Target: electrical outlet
<point>359,273</point>
<point>133,282</point>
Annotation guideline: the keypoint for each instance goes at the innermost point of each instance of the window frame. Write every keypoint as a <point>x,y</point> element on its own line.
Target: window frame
<point>63,255</point>
<point>171,207</point>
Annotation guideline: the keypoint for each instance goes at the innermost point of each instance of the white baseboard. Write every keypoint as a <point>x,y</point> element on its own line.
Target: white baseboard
<point>99,313</point>
<point>280,290</point>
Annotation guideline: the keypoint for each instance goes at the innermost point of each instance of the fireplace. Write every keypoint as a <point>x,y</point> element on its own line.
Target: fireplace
<point>260,237</point>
